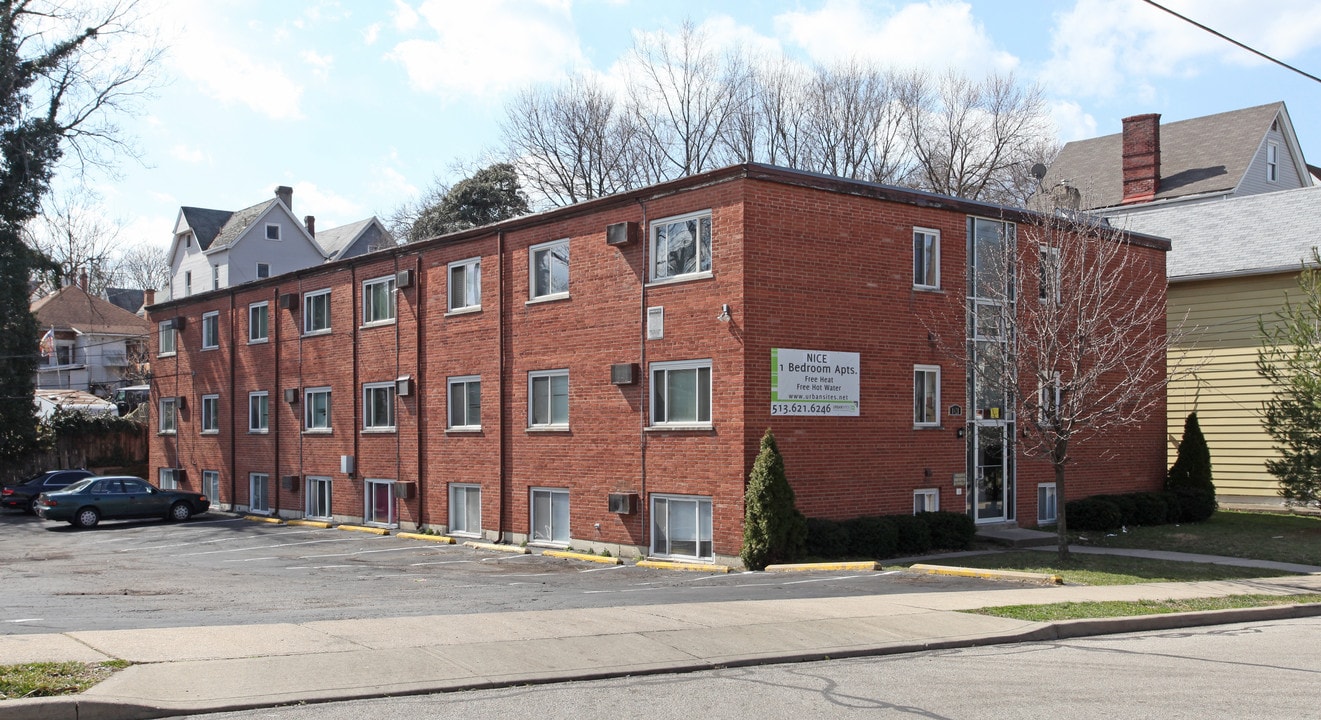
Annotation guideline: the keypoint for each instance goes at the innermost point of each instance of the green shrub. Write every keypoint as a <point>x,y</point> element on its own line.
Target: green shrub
<point>1190,476</point>
<point>1128,507</point>
<point>773,529</point>
<point>1172,510</point>
<point>914,534</point>
<point>1151,508</point>
<point>949,530</point>
<point>872,537</point>
<point>827,539</point>
<point>1093,513</point>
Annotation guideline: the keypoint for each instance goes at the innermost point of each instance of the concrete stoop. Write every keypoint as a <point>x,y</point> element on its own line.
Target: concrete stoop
<point>1016,537</point>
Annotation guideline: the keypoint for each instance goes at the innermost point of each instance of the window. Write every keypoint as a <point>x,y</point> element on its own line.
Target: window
<point>187,239</point>
<point>926,500</point>
<point>1048,285</point>
<point>681,526</point>
<point>316,312</point>
<point>926,258</point>
<point>465,285</point>
<point>215,277</point>
<point>1272,162</point>
<point>263,270</point>
<point>259,412</point>
<point>550,516</point>
<point>550,270</point>
<point>465,402</point>
<point>168,338</point>
<point>681,393</point>
<point>166,479</point>
<point>210,414</point>
<point>169,421</point>
<point>210,330</point>
<point>378,406</point>
<point>378,301</point>
<point>258,487</point>
<point>316,409</point>
<point>681,246</point>
<point>272,231</point>
<point>211,486</point>
<point>466,510</point>
<point>548,398</point>
<point>1046,510</point>
<point>1048,401</point>
<point>380,503</point>
<point>318,498</point>
<point>187,282</point>
<point>926,395</point>
<point>259,322</point>
<point>65,352</point>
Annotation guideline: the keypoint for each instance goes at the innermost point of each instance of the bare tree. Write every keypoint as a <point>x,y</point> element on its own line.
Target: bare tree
<point>854,123</point>
<point>145,267</point>
<point>74,234</point>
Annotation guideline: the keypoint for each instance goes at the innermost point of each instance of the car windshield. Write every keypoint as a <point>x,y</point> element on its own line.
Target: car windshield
<point>75,487</point>
<point>34,480</point>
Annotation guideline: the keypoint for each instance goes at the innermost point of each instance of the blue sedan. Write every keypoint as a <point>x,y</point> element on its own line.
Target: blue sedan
<point>89,501</point>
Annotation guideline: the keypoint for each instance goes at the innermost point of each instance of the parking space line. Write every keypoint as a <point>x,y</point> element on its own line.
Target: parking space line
<point>266,547</point>
<point>315,567</point>
<point>366,552</point>
<point>441,562</point>
<point>206,542</point>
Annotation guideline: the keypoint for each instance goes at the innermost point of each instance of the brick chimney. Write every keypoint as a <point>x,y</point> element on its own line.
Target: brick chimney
<point>286,195</point>
<point>148,297</point>
<point>310,222</point>
<point>1141,158</point>
<point>82,280</point>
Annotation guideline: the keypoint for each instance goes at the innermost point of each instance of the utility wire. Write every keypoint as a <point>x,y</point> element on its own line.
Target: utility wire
<point>1223,36</point>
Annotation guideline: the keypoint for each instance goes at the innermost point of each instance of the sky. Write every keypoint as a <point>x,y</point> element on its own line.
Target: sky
<point>361,105</point>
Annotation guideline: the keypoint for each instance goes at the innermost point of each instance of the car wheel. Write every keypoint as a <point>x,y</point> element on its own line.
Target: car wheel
<point>87,517</point>
<point>179,512</point>
<point>32,506</point>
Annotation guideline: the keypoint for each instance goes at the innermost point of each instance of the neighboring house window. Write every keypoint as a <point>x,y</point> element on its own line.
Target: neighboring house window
<point>681,393</point>
<point>215,277</point>
<point>166,479</point>
<point>316,312</point>
<point>168,338</point>
<point>681,246</point>
<point>378,406</point>
<point>259,412</point>
<point>465,284</point>
<point>550,515</point>
<point>318,497</point>
<point>210,414</point>
<point>1046,504</point>
<point>316,409</point>
<point>926,500</point>
<point>272,231</point>
<point>465,402</point>
<point>263,270</point>
<point>211,485</point>
<point>378,300</point>
<point>1048,286</point>
<point>259,485</point>
<point>926,395</point>
<point>548,398</point>
<point>169,421</point>
<point>187,239</point>
<point>259,322</point>
<point>1272,162</point>
<point>210,330</point>
<point>187,282</point>
<point>549,270</point>
<point>65,352</point>
<point>466,510</point>
<point>681,526</point>
<point>926,258</point>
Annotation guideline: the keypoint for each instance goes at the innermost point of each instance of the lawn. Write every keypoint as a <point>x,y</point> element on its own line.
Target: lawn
<point>1080,610</point>
<point>47,679</point>
<point>1262,536</point>
<point>1104,569</point>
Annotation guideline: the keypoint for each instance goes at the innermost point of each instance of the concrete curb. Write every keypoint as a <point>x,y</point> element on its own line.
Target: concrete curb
<point>868,565</point>
<point>309,523</point>
<point>585,557</point>
<point>988,574</point>
<point>263,519</point>
<point>363,529</point>
<point>429,538</point>
<point>514,549</point>
<point>695,567</point>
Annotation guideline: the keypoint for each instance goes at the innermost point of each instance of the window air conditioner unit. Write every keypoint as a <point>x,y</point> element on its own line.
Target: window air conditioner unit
<point>181,402</point>
<point>289,301</point>
<point>404,386</point>
<point>623,503</point>
<point>291,395</point>
<point>178,323</point>
<point>403,279</point>
<point>623,373</point>
<point>621,234</point>
<point>289,482</point>
<point>405,490</point>
<point>346,464</point>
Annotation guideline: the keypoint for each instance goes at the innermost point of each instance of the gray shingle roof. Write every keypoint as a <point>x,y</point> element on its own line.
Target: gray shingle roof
<point>205,223</point>
<point>238,222</point>
<point>1201,155</point>
<point>336,240</point>
<point>1253,234</point>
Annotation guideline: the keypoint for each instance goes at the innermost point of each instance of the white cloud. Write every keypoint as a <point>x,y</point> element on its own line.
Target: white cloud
<point>330,209</point>
<point>1071,121</point>
<point>187,154</point>
<point>405,17</point>
<point>321,64</point>
<point>932,35</point>
<point>486,48</point>
<point>371,33</point>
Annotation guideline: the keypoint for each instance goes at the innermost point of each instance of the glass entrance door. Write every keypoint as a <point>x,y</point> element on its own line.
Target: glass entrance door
<point>992,471</point>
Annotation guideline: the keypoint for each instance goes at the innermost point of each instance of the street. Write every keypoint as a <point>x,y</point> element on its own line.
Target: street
<point>1245,671</point>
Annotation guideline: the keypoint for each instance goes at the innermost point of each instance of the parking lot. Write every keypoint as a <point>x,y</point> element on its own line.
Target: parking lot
<point>223,570</point>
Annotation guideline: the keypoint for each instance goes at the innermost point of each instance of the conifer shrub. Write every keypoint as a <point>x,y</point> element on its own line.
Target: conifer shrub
<point>949,530</point>
<point>914,534</point>
<point>827,538</point>
<point>872,537</point>
<point>773,529</point>
<point>1151,508</point>
<point>1190,476</point>
<point>1093,513</point>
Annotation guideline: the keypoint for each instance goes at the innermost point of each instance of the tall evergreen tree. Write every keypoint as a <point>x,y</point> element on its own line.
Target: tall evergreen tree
<point>492,194</point>
<point>773,529</point>
<point>1190,476</point>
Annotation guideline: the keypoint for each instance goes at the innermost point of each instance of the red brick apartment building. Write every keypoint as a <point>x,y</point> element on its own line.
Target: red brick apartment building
<point>600,375</point>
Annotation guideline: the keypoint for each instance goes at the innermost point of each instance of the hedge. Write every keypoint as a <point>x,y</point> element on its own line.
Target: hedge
<point>890,535</point>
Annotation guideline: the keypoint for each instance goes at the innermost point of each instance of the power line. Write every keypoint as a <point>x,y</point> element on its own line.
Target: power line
<point>1223,36</point>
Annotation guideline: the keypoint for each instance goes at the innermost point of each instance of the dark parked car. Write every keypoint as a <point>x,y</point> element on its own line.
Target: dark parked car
<point>23,496</point>
<point>119,497</point>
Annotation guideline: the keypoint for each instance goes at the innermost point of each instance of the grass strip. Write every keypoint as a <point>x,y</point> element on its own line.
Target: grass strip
<point>1121,608</point>
<point>49,679</point>
<point>1264,536</point>
<point>1106,569</point>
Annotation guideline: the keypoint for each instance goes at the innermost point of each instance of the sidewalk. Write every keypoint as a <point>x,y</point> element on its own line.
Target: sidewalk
<point>193,670</point>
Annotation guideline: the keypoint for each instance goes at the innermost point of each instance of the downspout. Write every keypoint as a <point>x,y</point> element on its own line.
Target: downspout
<point>233,401</point>
<point>355,393</point>
<point>398,446</point>
<point>273,418</point>
<point>643,385</point>
<point>503,389</point>
<point>419,357</point>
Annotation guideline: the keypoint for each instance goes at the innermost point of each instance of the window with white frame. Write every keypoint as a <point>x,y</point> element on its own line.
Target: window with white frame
<point>550,515</point>
<point>259,412</point>
<point>166,479</point>
<point>169,415</point>
<point>272,231</point>
<point>548,398</point>
<point>681,393</point>
<point>215,277</point>
<point>316,312</point>
<point>378,301</point>
<point>210,423</point>
<point>681,526</point>
<point>169,338</point>
<point>210,330</point>
<point>465,285</point>
<point>1048,400</point>
<point>1272,162</point>
<point>1048,284</point>
<point>378,406</point>
<point>926,395</point>
<point>259,485</point>
<point>1046,510</point>
<point>318,498</point>
<point>926,500</point>
<point>263,270</point>
<point>380,504</point>
<point>549,271</point>
<point>211,486</point>
<point>259,322</point>
<point>316,409</point>
<point>188,282</point>
<point>465,510</point>
<point>926,258</point>
<point>681,246</point>
<point>465,402</point>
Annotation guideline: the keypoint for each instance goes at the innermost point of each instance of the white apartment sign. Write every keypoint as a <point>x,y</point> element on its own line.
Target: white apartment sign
<point>814,382</point>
